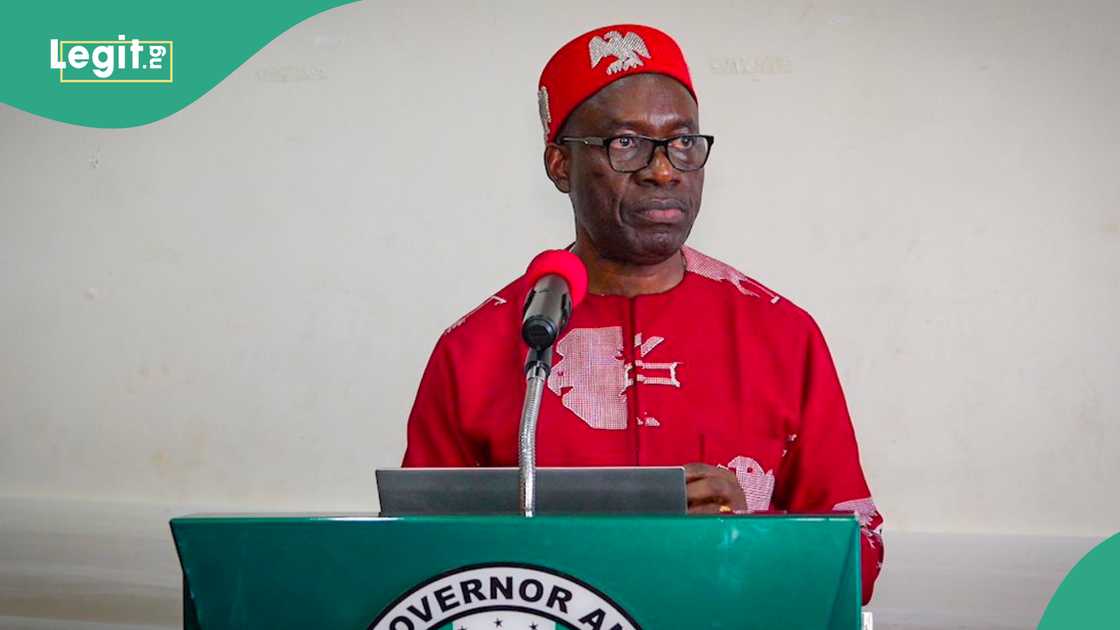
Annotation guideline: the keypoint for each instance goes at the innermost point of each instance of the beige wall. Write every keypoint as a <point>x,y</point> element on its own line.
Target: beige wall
<point>231,307</point>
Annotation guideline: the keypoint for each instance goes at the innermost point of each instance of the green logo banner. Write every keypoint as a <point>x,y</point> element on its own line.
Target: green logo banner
<point>1089,597</point>
<point>126,63</point>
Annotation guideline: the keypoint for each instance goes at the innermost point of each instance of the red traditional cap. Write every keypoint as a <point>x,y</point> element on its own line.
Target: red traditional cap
<point>593,60</point>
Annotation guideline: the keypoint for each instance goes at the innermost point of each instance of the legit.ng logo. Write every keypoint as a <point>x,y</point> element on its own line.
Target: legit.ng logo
<point>118,60</point>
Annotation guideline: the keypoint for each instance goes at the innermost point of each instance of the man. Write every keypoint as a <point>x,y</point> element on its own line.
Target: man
<point>674,358</point>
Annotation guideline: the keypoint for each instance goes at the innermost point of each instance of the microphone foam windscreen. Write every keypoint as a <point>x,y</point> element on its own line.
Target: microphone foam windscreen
<point>564,264</point>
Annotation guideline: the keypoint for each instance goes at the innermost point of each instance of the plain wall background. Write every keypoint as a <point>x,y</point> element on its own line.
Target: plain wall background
<point>232,307</point>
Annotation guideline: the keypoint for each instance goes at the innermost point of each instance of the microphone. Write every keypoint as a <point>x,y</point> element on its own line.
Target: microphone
<point>559,282</point>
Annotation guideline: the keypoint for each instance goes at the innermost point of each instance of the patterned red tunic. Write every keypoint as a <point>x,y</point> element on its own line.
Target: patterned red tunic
<point>718,369</point>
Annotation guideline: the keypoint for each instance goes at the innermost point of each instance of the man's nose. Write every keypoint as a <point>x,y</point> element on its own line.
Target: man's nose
<point>659,171</point>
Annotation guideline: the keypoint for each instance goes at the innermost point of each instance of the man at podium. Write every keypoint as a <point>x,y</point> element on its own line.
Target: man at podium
<point>674,358</point>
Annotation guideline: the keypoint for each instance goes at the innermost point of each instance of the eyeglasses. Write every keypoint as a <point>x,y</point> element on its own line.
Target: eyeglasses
<point>631,153</point>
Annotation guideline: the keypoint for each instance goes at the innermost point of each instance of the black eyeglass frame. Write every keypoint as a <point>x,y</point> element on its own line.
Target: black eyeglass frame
<point>605,142</point>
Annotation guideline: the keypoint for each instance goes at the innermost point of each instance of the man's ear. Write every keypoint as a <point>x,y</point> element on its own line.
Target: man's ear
<point>556,163</point>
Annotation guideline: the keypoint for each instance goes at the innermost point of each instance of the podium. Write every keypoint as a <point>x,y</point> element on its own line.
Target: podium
<point>514,573</point>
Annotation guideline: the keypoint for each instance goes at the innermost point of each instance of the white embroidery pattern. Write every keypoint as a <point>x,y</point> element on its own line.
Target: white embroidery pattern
<point>493,299</point>
<point>758,486</point>
<point>625,50</point>
<point>864,508</point>
<point>591,371</point>
<point>591,376</point>
<point>546,115</point>
<point>713,269</point>
<point>670,368</point>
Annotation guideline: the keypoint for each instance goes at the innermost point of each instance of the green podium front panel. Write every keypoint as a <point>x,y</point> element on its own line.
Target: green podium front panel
<point>513,573</point>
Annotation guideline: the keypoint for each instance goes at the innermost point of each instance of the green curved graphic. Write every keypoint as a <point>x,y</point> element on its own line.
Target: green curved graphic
<point>1089,597</point>
<point>202,41</point>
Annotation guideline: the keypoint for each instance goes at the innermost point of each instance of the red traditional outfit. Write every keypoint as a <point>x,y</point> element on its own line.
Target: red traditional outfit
<point>718,369</point>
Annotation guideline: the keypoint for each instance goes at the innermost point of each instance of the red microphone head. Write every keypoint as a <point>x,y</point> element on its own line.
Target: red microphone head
<point>564,264</point>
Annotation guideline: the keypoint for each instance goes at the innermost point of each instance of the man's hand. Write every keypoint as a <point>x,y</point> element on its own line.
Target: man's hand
<point>713,490</point>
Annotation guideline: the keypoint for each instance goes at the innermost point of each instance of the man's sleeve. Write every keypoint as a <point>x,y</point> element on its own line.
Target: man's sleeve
<point>822,470</point>
<point>435,435</point>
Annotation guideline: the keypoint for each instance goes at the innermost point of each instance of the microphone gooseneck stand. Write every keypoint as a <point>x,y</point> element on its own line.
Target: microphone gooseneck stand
<point>537,367</point>
<point>548,307</point>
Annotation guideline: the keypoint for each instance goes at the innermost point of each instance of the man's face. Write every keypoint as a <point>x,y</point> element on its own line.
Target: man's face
<point>642,217</point>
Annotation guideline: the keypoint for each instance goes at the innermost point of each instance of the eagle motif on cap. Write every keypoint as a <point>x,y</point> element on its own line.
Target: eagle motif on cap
<point>625,50</point>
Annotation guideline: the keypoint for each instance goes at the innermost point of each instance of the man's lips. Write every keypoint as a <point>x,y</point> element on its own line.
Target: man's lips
<point>661,215</point>
<point>662,212</point>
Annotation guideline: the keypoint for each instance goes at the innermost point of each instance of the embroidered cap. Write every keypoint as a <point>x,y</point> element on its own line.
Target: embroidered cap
<point>593,60</point>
